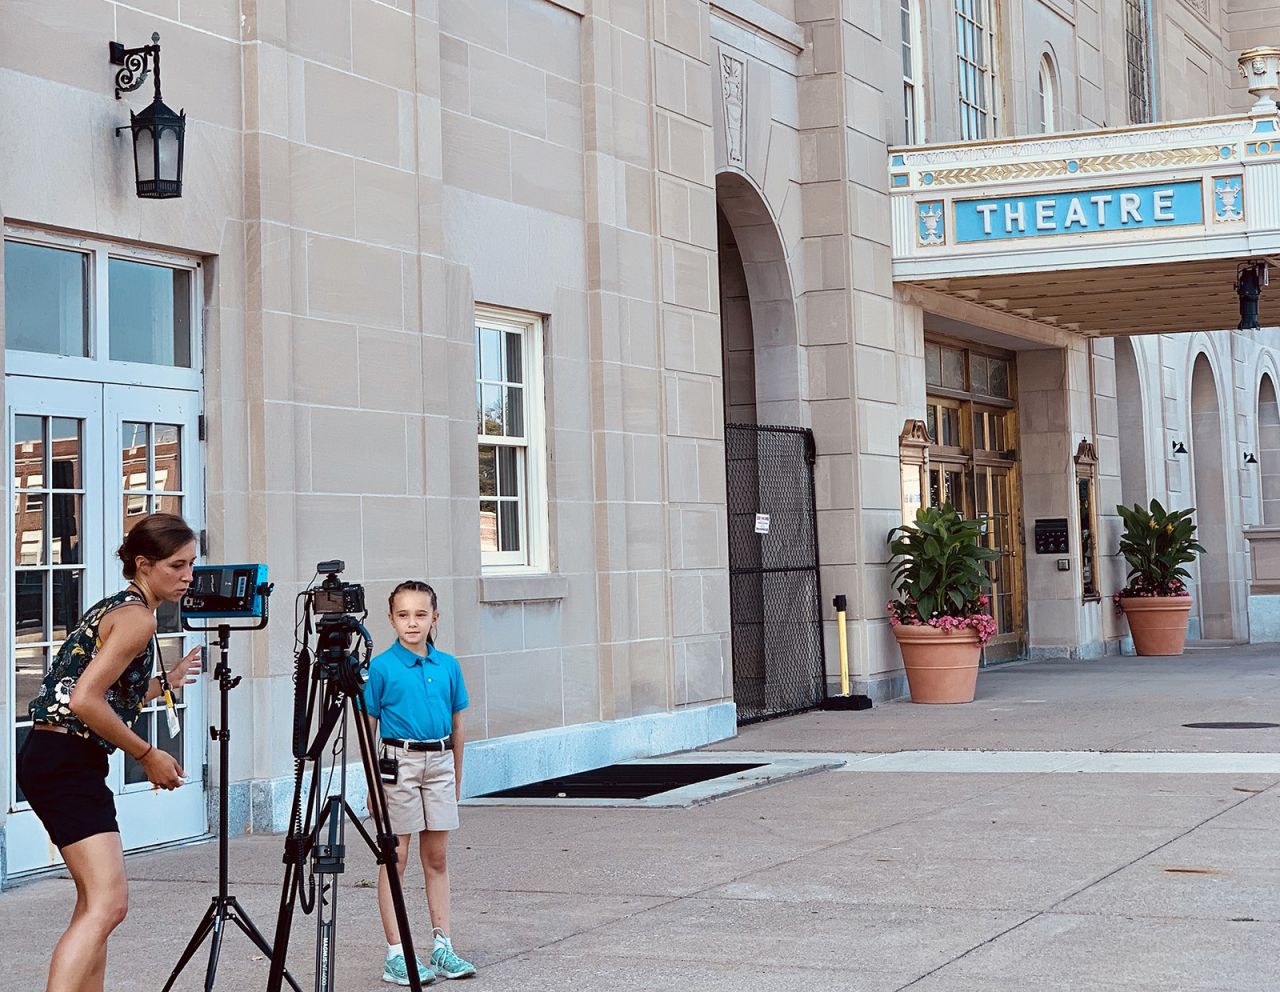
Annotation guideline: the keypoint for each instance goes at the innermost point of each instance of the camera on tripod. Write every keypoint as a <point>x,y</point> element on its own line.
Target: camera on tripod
<point>343,646</point>
<point>329,682</point>
<point>334,595</point>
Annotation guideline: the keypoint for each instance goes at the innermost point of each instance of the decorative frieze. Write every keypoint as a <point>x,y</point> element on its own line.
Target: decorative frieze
<point>733,81</point>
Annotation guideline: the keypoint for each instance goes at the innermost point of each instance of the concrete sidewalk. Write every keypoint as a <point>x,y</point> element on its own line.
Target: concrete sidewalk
<point>995,878</point>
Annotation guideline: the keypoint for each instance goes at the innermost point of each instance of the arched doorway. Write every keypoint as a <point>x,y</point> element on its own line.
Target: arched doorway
<point>774,594</point>
<point>757,310</point>
<point>1214,599</point>
<point>1269,450</point>
<point>1133,435</point>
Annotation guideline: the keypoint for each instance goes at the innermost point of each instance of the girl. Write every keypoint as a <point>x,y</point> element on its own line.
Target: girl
<point>416,696</point>
<point>96,688</point>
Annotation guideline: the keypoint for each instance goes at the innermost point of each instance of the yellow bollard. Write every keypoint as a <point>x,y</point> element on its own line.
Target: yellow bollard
<point>846,700</point>
<point>841,605</point>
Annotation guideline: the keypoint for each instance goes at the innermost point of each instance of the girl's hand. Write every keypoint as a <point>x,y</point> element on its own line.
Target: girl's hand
<point>163,770</point>
<point>186,671</point>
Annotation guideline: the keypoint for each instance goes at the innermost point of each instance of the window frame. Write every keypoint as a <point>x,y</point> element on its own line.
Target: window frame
<point>986,77</point>
<point>1138,12</point>
<point>98,366</point>
<point>534,556</point>
<point>913,86</point>
<point>1049,111</point>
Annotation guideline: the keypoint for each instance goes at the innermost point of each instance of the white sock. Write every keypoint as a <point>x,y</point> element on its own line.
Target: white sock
<point>440,938</point>
<point>393,950</point>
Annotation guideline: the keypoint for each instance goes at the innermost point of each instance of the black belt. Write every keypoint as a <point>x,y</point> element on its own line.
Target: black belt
<point>440,745</point>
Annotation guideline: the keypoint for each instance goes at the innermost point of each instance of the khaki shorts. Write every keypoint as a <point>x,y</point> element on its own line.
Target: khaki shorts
<point>424,796</point>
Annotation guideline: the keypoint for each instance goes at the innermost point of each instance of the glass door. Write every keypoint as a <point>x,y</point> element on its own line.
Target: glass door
<point>151,457</point>
<point>996,504</point>
<point>86,458</point>
<point>56,560</point>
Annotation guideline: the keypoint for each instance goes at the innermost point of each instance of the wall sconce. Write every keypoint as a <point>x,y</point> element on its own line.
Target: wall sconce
<point>158,133</point>
<point>1249,459</point>
<point>1179,448</point>
<point>1251,277</point>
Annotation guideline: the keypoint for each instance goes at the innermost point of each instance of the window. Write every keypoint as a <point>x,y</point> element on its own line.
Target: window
<point>1137,57</point>
<point>1048,97</point>
<point>510,433</point>
<point>912,102</point>
<point>975,53</point>
<point>84,309</point>
<point>46,299</point>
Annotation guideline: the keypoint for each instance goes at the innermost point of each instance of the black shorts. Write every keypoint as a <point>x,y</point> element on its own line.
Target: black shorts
<point>64,778</point>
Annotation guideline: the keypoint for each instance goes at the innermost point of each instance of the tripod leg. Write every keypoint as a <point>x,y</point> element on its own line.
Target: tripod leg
<point>386,849</point>
<point>197,938</point>
<point>215,948</point>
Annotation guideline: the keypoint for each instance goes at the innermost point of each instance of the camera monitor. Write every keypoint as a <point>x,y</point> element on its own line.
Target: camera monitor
<point>226,591</point>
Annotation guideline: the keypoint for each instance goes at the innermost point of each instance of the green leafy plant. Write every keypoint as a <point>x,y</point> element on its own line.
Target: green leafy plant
<point>1156,544</point>
<point>940,572</point>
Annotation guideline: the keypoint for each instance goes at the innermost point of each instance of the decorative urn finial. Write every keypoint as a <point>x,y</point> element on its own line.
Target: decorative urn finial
<point>1261,69</point>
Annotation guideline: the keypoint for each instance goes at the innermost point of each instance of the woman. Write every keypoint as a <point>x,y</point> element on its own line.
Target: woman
<point>96,688</point>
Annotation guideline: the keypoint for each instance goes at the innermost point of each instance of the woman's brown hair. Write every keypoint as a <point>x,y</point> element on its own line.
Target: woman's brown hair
<point>154,538</point>
<point>415,585</point>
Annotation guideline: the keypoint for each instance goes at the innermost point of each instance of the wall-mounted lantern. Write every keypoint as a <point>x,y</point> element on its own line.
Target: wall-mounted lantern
<point>1251,277</point>
<point>158,133</point>
<point>913,458</point>
<point>1086,460</point>
<point>1179,448</point>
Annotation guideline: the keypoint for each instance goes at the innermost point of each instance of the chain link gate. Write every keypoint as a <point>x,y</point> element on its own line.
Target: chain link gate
<point>775,598</point>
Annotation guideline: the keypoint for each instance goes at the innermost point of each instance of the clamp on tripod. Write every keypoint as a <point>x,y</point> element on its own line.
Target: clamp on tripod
<point>224,906</point>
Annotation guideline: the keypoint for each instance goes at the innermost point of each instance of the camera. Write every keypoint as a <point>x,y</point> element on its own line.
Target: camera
<point>334,595</point>
<point>340,657</point>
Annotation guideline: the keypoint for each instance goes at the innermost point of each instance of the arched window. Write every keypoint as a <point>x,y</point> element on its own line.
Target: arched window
<point>1048,96</point>
<point>1269,450</point>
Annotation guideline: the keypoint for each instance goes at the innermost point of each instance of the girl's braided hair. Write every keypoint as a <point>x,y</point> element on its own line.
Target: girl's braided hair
<point>414,585</point>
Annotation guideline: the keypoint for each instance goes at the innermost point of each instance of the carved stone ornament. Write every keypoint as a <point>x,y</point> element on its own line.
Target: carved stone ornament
<point>1086,453</point>
<point>733,81</point>
<point>1261,69</point>
<point>915,432</point>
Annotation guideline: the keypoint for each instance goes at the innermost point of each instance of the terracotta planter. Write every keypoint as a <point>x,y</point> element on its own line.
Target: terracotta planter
<point>1158,623</point>
<point>941,667</point>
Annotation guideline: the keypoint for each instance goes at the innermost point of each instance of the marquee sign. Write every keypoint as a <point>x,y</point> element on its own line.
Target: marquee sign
<point>1086,211</point>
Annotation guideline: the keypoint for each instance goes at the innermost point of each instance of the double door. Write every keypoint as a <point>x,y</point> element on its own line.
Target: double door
<point>87,461</point>
<point>974,468</point>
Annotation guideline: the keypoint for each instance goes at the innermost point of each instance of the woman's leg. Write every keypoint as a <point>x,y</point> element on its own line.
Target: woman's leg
<point>385,909</point>
<point>433,847</point>
<point>102,899</point>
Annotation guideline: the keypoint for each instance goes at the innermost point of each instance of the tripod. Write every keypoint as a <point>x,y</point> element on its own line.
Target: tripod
<point>336,685</point>
<point>224,907</point>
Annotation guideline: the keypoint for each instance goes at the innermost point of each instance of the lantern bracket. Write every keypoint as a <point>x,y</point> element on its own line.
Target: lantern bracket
<point>133,63</point>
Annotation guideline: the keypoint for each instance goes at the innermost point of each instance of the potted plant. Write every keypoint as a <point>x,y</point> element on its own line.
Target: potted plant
<point>1156,544</point>
<point>941,618</point>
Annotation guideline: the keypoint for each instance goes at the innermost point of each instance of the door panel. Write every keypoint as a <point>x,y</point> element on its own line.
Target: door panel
<point>151,454</point>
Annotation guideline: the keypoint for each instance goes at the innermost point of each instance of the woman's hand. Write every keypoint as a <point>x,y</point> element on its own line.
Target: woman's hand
<point>186,671</point>
<point>163,770</point>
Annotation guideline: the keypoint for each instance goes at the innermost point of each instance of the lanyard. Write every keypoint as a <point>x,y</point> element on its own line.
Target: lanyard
<point>170,711</point>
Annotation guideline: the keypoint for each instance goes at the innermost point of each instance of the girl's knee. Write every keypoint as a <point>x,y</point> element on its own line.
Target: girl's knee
<point>435,864</point>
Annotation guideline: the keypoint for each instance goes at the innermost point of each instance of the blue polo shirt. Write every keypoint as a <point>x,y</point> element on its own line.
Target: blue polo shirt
<point>412,697</point>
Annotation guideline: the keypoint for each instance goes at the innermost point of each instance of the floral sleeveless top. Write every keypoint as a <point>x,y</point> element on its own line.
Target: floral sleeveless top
<point>127,696</point>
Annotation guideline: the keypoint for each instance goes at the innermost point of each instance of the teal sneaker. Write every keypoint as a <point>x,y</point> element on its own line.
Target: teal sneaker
<point>449,965</point>
<point>395,972</point>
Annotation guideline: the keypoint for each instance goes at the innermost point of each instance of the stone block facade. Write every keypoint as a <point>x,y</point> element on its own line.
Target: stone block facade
<point>689,200</point>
